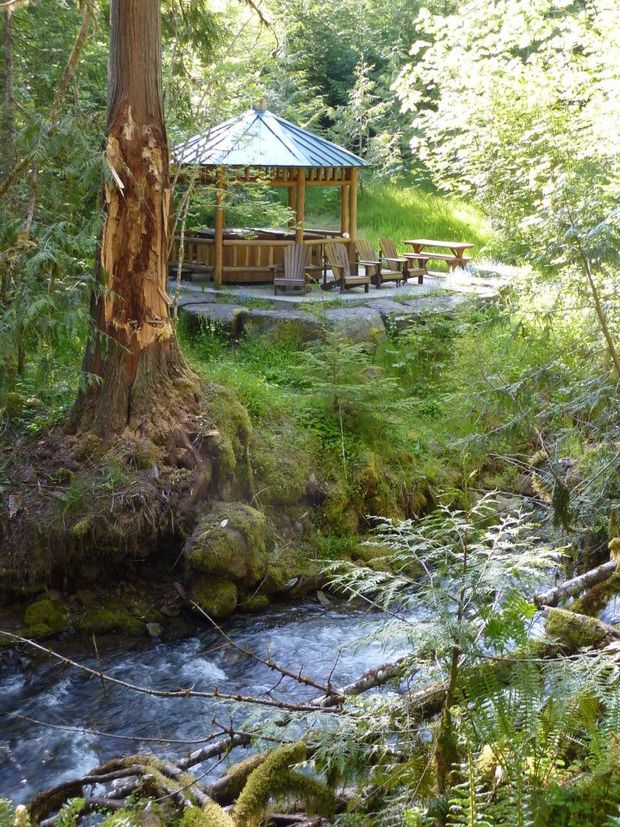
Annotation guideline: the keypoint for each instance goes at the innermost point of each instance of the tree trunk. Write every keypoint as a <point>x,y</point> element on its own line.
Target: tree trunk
<point>139,376</point>
<point>8,130</point>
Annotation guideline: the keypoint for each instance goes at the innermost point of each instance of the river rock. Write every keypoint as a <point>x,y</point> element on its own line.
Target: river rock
<point>357,324</point>
<point>44,618</point>
<point>154,629</point>
<point>233,543</point>
<point>215,595</point>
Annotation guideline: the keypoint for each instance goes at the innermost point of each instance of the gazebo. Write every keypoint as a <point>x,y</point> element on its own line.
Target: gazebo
<point>286,156</point>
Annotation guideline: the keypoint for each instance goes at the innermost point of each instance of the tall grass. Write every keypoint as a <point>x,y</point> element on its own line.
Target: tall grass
<point>400,211</point>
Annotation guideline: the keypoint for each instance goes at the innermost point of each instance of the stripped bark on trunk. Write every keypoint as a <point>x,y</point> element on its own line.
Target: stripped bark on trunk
<point>139,372</point>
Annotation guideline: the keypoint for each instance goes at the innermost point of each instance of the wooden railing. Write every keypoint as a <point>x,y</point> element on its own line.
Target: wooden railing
<point>245,260</point>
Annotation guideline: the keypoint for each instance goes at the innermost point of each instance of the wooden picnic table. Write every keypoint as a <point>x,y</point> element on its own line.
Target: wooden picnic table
<point>456,258</point>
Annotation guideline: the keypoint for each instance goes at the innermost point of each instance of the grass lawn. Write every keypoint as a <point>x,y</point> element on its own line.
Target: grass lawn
<point>402,211</point>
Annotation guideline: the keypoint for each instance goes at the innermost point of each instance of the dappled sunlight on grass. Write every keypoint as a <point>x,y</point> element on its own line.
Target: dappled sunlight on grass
<point>403,211</point>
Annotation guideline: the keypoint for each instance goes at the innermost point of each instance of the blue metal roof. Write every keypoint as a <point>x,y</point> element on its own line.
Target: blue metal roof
<point>258,138</point>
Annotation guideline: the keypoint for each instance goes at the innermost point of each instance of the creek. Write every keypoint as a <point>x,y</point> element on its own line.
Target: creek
<point>34,757</point>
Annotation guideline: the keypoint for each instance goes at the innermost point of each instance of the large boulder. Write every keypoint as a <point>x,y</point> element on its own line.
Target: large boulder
<point>225,317</point>
<point>357,324</point>
<point>44,618</point>
<point>283,324</point>
<point>394,314</point>
<point>231,543</point>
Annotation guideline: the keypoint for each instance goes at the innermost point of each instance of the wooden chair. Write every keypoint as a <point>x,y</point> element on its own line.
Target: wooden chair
<point>371,262</point>
<point>338,260</point>
<point>389,253</point>
<point>294,264</point>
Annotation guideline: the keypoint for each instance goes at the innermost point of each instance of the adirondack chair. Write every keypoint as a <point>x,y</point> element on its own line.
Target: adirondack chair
<point>338,260</point>
<point>390,255</point>
<point>370,261</point>
<point>295,263</point>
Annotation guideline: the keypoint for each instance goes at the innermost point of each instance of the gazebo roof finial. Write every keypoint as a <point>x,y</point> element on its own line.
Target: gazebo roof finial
<point>262,105</point>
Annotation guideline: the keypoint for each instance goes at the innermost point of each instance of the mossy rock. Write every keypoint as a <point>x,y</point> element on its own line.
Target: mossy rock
<point>44,618</point>
<point>232,543</point>
<point>285,563</point>
<point>111,619</point>
<point>573,630</point>
<point>255,604</point>
<point>216,596</point>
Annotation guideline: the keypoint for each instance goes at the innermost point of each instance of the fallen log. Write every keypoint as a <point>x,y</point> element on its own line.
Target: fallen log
<point>573,587</point>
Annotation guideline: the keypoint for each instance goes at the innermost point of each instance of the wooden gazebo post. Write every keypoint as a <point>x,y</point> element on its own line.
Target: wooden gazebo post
<point>292,201</point>
<point>352,213</point>
<point>344,197</point>
<point>301,204</point>
<point>218,268</point>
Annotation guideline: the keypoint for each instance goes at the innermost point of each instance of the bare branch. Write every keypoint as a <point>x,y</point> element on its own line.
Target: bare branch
<point>161,693</point>
<point>305,680</point>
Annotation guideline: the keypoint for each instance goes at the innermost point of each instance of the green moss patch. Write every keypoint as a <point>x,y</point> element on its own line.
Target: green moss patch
<point>212,815</point>
<point>43,618</point>
<point>216,596</point>
<point>256,603</point>
<point>276,777</point>
<point>113,618</point>
<point>574,630</point>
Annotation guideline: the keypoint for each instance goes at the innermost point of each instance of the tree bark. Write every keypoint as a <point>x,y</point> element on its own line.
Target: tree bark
<point>139,373</point>
<point>9,130</point>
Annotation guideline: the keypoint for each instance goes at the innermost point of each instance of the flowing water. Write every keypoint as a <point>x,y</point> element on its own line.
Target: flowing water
<point>34,757</point>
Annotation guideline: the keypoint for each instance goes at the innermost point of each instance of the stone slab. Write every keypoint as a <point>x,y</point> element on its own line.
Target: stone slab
<point>298,325</point>
<point>227,317</point>
<point>358,324</point>
<point>396,314</point>
<point>435,304</point>
<point>185,299</point>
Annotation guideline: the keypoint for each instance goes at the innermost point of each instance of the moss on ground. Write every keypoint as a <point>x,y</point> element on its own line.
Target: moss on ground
<point>282,465</point>
<point>254,604</point>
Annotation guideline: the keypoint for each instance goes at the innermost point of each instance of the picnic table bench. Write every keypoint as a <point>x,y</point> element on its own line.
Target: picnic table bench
<point>454,258</point>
